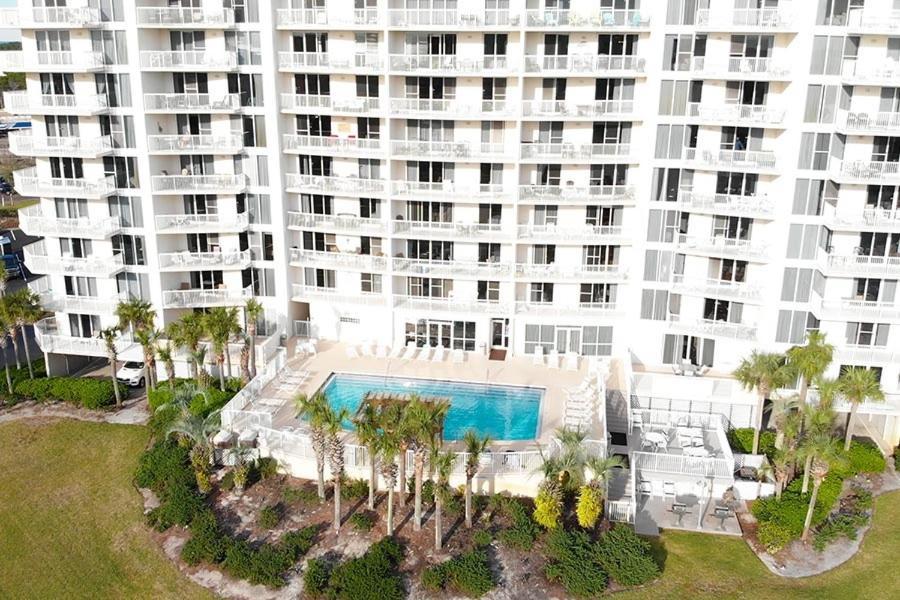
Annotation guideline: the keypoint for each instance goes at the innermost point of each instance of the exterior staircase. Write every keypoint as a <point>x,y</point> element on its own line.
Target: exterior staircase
<point>616,411</point>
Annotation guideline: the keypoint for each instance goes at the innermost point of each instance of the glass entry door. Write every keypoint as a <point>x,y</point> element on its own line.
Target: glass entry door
<point>568,339</point>
<point>499,333</point>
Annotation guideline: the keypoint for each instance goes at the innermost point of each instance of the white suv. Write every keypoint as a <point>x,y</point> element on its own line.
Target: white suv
<point>131,374</point>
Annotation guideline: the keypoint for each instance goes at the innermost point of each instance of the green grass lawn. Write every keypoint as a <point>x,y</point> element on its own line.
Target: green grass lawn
<point>709,566</point>
<point>71,524</point>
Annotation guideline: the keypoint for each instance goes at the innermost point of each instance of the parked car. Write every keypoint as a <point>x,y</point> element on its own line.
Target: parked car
<point>131,374</point>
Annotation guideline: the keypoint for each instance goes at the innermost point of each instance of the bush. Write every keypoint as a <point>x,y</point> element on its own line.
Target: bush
<point>165,463</point>
<point>266,467</point>
<point>468,574</point>
<point>178,505</point>
<point>362,521</point>
<point>572,564</point>
<point>300,541</point>
<point>269,517</point>
<point>864,457</point>
<point>84,392</point>
<point>482,538</point>
<point>548,506</point>
<point>625,557</point>
<point>207,543</point>
<point>315,578</point>
<point>897,458</point>
<point>301,495</point>
<point>372,576</point>
<point>523,530</point>
<point>741,441</point>
<point>354,489</point>
<point>590,505</point>
<point>227,483</point>
<point>434,578</point>
<point>839,526</point>
<point>266,564</point>
<point>775,536</point>
<point>786,516</point>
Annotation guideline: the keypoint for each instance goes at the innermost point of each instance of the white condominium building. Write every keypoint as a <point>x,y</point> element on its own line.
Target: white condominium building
<point>678,182</point>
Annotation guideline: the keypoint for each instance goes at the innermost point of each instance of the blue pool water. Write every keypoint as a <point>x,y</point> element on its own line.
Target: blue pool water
<point>503,412</point>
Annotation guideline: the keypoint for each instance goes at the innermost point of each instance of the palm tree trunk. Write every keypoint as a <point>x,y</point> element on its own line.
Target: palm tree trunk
<point>777,488</point>
<point>337,504</point>
<point>170,373</point>
<point>417,510</point>
<point>252,332</point>
<point>401,495</point>
<point>372,480</point>
<point>9,385</point>
<point>320,474</point>
<point>804,391</point>
<point>27,353</point>
<point>809,512</point>
<point>468,502</point>
<point>15,343</point>
<point>848,436</point>
<point>760,403</point>
<point>438,524</point>
<point>228,359</point>
<point>112,368</point>
<point>806,468</point>
<point>221,364</point>
<point>390,509</point>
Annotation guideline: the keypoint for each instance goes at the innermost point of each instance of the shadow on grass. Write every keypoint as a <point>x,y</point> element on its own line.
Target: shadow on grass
<point>659,552</point>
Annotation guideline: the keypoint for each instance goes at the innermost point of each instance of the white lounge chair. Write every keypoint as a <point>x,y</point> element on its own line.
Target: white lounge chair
<point>459,356</point>
<point>424,353</point>
<point>410,351</point>
<point>352,352</point>
<point>365,349</point>
<point>553,359</point>
<point>381,351</point>
<point>396,351</point>
<point>538,355</point>
<point>439,353</point>
<point>571,361</point>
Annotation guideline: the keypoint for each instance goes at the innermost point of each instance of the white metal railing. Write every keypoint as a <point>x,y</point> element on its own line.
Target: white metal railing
<point>240,401</point>
<point>365,262</point>
<point>583,271</point>
<point>738,331</point>
<point>759,206</point>
<point>752,159</point>
<point>12,61</point>
<point>870,122</point>
<point>450,189</point>
<point>188,59</point>
<point>188,261</point>
<point>50,340</point>
<point>451,304</point>
<point>865,170</point>
<point>28,183</point>
<point>656,418</point>
<point>569,108</point>
<point>305,102</point>
<point>64,59</point>
<point>190,298</point>
<point>678,464</point>
<point>449,228</point>
<point>868,217</point>
<point>29,143</point>
<point>410,63</point>
<point>340,222</point>
<point>38,261</point>
<point>210,184</point>
<point>176,102</point>
<point>360,61</point>
<point>850,308</point>
<point>205,222</point>
<point>446,149</point>
<point>176,16</point>
<point>740,248</point>
<point>724,113</point>
<point>212,144</point>
<point>299,17</point>
<point>853,264</point>
<point>404,17</point>
<point>871,71</point>
<point>297,143</point>
<point>334,183</point>
<point>450,268</point>
<point>57,16</point>
<point>620,511</point>
<point>562,310</point>
<point>572,193</point>
<point>593,232</point>
<point>699,286</point>
<point>25,103</point>
<point>449,106</point>
<point>33,221</point>
<point>875,20</point>
<point>572,151</point>
<point>312,292</point>
<point>583,63</point>
<point>594,19</point>
<point>866,355</point>
<point>776,17</point>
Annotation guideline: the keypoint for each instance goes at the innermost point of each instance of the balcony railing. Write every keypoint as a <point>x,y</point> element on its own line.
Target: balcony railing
<point>304,17</point>
<point>231,143</point>
<point>679,464</point>
<point>191,298</point>
<point>865,122</point>
<point>29,143</point>
<point>450,304</point>
<point>35,223</point>
<point>449,107</point>
<point>698,286</point>
<point>199,184</point>
<point>584,63</point>
<point>304,293</point>
<point>79,304</point>
<point>723,246</point>
<point>25,103</point>
<point>711,327</point>
<point>741,66</point>
<point>581,271</point>
<point>189,261</point>
<point>308,102</point>
<point>563,235</point>
<point>577,194</point>
<point>443,229</point>
<point>51,340</point>
<point>451,189</point>
<point>343,223</point>
<point>868,217</point>
<point>732,204</point>
<point>306,61</point>
<point>68,17</point>
<point>202,223</point>
<point>451,150</point>
<point>28,183</point>
<point>43,60</point>
<point>582,309</point>
<point>407,63</point>
<point>313,258</point>
<point>619,18</point>
<point>12,61</point>
<point>568,151</point>
<point>298,183</point>
<point>403,18</point>
<point>37,261</point>
<point>866,355</point>
<point>178,60</point>
<point>170,17</point>
<point>866,171</point>
<point>319,143</point>
<point>728,113</point>
<point>869,71</point>
<point>777,18</point>
<point>875,21</point>
<point>450,268</point>
<point>733,159</point>
<point>858,264</point>
<point>597,109</point>
<point>175,103</point>
<point>849,309</point>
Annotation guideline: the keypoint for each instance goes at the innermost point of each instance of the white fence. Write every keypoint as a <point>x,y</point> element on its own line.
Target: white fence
<point>621,511</point>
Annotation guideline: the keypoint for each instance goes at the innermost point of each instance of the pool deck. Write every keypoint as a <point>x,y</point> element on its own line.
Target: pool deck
<point>306,374</point>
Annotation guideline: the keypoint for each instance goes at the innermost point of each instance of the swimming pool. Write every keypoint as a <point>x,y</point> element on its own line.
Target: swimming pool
<point>504,412</point>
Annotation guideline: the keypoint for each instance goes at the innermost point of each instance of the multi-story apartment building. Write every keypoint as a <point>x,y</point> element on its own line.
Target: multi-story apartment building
<point>676,182</point>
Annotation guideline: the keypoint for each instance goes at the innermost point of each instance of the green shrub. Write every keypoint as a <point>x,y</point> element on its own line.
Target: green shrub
<point>354,489</point>
<point>625,557</point>
<point>785,517</point>
<point>269,517</point>
<point>266,467</point>
<point>84,392</point>
<point>434,578</point>
<point>362,521</point>
<point>548,506</point>
<point>469,574</point>
<point>299,542</point>
<point>482,538</point>
<point>207,543</point>
<point>238,559</point>
<point>840,526</point>
<point>301,495</point>
<point>201,405</point>
<point>897,458</point>
<point>864,457</point>
<point>178,505</point>
<point>372,576</point>
<point>775,536</point>
<point>315,578</point>
<point>572,564</point>
<point>227,482</point>
<point>523,531</point>
<point>741,441</point>
<point>163,464</point>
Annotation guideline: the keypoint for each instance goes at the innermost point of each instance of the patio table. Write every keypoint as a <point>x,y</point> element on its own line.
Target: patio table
<point>680,510</point>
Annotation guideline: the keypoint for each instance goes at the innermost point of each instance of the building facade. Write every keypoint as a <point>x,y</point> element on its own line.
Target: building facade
<point>678,182</point>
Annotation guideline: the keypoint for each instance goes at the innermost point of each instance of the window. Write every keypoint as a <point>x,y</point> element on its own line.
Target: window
<point>678,349</point>
<point>617,44</point>
<point>599,256</point>
<point>816,147</point>
<point>120,128</point>
<point>802,241</point>
<point>123,169</point>
<point>675,95</point>
<point>671,140</point>
<point>248,86</point>
<point>867,334</point>
<point>540,293</point>
<point>317,125</point>
<point>715,309</point>
<point>657,265</point>
<point>668,184</point>
<point>313,85</point>
<point>254,130</point>
<point>368,128</point>
<point>133,285</point>
<point>257,206</point>
<point>111,45</point>
<point>367,86</point>
<point>597,293</point>
<point>489,291</point>
<point>680,50</point>
<point>546,214</point>
<point>115,87</point>
<point>830,52</point>
<point>247,46</point>
<point>821,102</point>
<point>80,286</point>
<point>370,208</point>
<point>425,287</point>
<point>131,247</point>
<point>654,305</point>
<point>543,254</point>
<point>796,284</point>
<point>793,326</point>
<point>127,210</point>
<point>370,283</point>
<point>810,196</point>
<point>320,278</point>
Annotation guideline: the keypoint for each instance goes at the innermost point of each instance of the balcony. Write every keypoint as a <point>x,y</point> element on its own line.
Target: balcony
<point>362,18</point>
<point>202,223</point>
<point>877,123</point>
<point>716,288</point>
<point>34,222</point>
<point>711,327</point>
<point>441,63</point>
<point>333,184</point>
<point>448,108</point>
<point>602,19</point>
<point>54,104</point>
<point>64,17</point>
<point>306,293</point>
<point>441,229</point>
<point>192,103</point>
<point>572,271</point>
<point>717,245</point>
<point>885,22</point>
<point>751,114</point>
<point>777,18</point>
<point>306,103</point>
<point>584,63</point>
<point>400,18</point>
<point>868,218</point>
<point>63,60</point>
<point>854,309</point>
<point>460,151</point>
<point>92,305</point>
<point>450,268</point>
<point>323,62</point>
<point>28,183</point>
<point>191,261</point>
<point>760,207</point>
<point>582,309</point>
<point>741,67</point>
<point>572,194</point>
<point>853,265</point>
<point>29,143</point>
<point>561,109</point>
<point>350,224</point>
<point>565,152</point>
<point>865,171</point>
<point>188,60</point>
<point>12,61</point>
<point>460,192</point>
<point>199,298</point>
<point>333,144</point>
<point>866,355</point>
<point>224,184</point>
<point>176,17</point>
<point>752,160</point>
<point>231,143</point>
<point>341,260</point>
<point>450,304</point>
<point>38,261</point>
<point>52,341</point>
<point>607,234</point>
<point>871,72</point>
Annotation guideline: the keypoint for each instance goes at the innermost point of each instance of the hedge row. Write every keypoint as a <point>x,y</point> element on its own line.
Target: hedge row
<point>372,576</point>
<point>83,392</point>
<point>203,403</point>
<point>17,375</point>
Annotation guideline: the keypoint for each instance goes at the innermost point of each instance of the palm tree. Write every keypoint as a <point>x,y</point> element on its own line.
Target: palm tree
<point>187,333</point>
<point>183,397</point>
<point>313,409</point>
<point>858,384</point>
<point>246,353</point>
<point>8,311</point>
<point>810,361</point>
<point>475,446</point>
<point>333,421</point>
<point>135,314</point>
<point>568,465</point>
<point>426,424</point>
<point>146,337</point>
<point>764,372</point>
<point>602,469</point>
<point>166,355</point>
<point>198,358</point>
<point>763,472</point>
<point>253,310</point>
<point>779,413</point>
<point>781,464</point>
<point>198,431</point>
<point>817,420</point>
<point>367,424</point>
<point>28,312</point>
<point>109,336</point>
<point>825,455</point>
<point>4,277</point>
<point>442,463</point>
<point>221,324</point>
<point>4,342</point>
<point>388,450</point>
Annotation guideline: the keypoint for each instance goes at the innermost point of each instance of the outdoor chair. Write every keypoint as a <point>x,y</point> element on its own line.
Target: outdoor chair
<point>424,354</point>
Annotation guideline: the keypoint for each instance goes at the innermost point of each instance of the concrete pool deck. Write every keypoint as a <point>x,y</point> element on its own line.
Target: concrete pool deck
<point>306,374</point>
